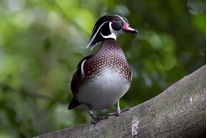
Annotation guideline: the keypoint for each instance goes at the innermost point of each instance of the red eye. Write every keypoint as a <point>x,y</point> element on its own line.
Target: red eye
<point>117,25</point>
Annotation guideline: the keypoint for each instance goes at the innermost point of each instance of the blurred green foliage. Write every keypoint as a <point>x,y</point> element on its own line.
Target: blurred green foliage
<point>42,41</point>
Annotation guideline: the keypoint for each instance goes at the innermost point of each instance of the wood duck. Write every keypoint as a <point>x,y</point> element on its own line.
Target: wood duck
<point>101,79</point>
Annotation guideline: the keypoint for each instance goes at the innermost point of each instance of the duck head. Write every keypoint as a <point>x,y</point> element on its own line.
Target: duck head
<point>109,27</point>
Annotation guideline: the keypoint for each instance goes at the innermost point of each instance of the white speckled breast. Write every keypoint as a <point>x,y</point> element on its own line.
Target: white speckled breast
<point>110,56</point>
<point>107,76</point>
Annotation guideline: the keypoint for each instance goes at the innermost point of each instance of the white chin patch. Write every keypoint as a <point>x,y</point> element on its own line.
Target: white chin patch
<point>104,91</point>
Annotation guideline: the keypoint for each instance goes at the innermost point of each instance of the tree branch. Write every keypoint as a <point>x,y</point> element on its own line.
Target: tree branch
<point>177,112</point>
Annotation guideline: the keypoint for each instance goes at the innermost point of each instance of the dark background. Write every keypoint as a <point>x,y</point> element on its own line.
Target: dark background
<point>42,41</point>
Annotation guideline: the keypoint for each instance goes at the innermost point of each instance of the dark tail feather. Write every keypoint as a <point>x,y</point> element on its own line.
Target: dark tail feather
<point>73,104</point>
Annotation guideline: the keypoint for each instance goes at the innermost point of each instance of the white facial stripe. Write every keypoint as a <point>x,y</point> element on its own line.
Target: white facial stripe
<point>95,36</point>
<point>82,69</point>
<point>121,18</point>
<point>113,34</point>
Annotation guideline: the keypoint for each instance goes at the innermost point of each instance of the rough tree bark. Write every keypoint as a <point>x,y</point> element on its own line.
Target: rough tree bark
<point>178,112</point>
